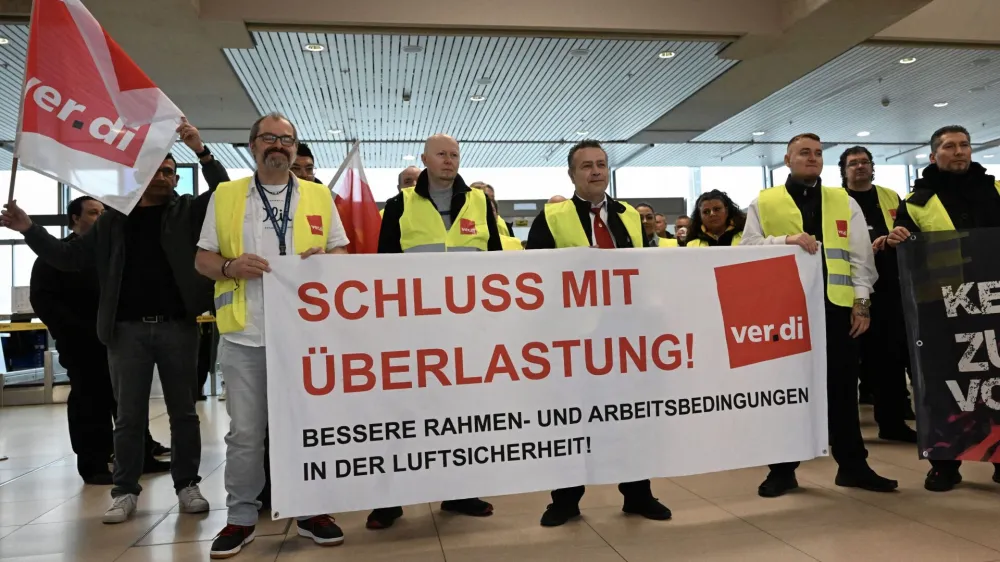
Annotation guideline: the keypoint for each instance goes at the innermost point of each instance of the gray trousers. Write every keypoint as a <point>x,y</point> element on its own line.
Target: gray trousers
<point>173,348</point>
<point>245,371</point>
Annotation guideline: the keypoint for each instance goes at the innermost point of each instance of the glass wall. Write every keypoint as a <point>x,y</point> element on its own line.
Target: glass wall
<point>37,195</point>
<point>741,183</point>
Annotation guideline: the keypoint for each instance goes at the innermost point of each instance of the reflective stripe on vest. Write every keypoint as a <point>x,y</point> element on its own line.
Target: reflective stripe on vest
<point>310,229</point>
<point>888,201</point>
<point>699,243</point>
<point>421,228</point>
<point>567,231</point>
<point>780,216</point>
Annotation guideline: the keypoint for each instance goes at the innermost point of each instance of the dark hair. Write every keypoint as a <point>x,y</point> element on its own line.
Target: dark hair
<point>170,157</point>
<point>936,137</point>
<point>733,213</point>
<point>255,128</point>
<point>75,208</point>
<point>644,204</point>
<point>588,143</point>
<point>303,150</point>
<point>851,152</point>
<point>684,217</point>
<point>661,215</point>
<point>812,136</point>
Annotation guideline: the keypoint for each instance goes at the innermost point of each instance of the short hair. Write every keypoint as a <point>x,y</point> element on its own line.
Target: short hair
<point>304,151</point>
<point>683,217</point>
<point>588,143</point>
<point>255,128</point>
<point>936,137</point>
<point>851,152</point>
<point>812,136</point>
<point>661,215</point>
<point>644,204</point>
<point>76,208</point>
<point>170,157</point>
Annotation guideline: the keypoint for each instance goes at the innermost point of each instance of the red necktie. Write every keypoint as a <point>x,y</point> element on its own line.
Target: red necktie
<point>601,234</point>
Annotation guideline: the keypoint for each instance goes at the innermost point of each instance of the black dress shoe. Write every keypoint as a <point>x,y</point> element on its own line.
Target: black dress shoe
<point>650,508</point>
<point>473,507</point>
<point>161,451</point>
<point>908,414</point>
<point>866,479</point>
<point>383,517</point>
<point>154,466</point>
<point>942,480</point>
<point>776,485</point>
<point>98,479</point>
<point>556,515</point>
<point>996,472</point>
<point>902,433</point>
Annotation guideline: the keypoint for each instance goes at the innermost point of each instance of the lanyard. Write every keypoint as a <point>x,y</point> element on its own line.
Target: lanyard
<point>283,228</point>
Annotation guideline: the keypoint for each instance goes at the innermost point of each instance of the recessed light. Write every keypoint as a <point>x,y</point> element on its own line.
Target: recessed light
<point>579,52</point>
<point>313,47</point>
<point>988,155</point>
<point>667,54</point>
<point>908,60</point>
<point>977,89</point>
<point>921,156</point>
<point>759,133</point>
<point>484,81</point>
<point>413,49</point>
<point>941,104</point>
<point>335,131</point>
<point>477,98</point>
<point>864,133</point>
<point>409,157</point>
<point>583,133</point>
<point>4,40</point>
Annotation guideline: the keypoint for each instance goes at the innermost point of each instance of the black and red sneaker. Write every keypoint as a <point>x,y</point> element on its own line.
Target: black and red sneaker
<point>322,529</point>
<point>231,540</point>
<point>383,517</point>
<point>473,507</point>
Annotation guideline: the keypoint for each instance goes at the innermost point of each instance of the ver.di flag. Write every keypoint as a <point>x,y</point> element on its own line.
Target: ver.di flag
<point>90,117</point>
<point>356,204</point>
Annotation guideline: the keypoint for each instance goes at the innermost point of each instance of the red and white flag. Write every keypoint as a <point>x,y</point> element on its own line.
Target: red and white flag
<point>90,117</point>
<point>356,204</point>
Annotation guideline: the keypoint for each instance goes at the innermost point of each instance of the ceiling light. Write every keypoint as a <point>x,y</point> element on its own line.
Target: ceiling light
<point>908,60</point>
<point>988,155</point>
<point>583,133</point>
<point>667,54</point>
<point>477,98</point>
<point>921,156</point>
<point>864,133</point>
<point>413,49</point>
<point>579,52</point>
<point>409,157</point>
<point>977,89</point>
<point>484,81</point>
<point>335,131</point>
<point>941,104</point>
<point>313,47</point>
<point>4,40</point>
<point>759,133</point>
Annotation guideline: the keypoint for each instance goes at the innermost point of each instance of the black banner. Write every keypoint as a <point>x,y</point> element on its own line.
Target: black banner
<point>951,299</point>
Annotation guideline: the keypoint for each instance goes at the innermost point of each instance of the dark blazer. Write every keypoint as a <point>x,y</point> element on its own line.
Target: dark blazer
<point>388,238</point>
<point>540,237</point>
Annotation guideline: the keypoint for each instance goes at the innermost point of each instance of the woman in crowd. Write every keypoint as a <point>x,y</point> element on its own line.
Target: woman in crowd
<point>715,221</point>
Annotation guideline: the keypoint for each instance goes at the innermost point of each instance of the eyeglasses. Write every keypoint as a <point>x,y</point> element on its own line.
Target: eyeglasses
<point>856,163</point>
<point>271,138</point>
<point>167,172</point>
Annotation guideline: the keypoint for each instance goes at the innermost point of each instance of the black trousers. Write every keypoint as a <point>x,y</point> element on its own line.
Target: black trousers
<point>846,443</point>
<point>265,494</point>
<point>208,342</point>
<point>90,412</point>
<point>883,361</point>
<point>633,491</point>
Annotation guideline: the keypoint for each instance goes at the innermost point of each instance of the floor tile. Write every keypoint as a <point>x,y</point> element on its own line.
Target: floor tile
<point>534,553</point>
<point>182,527</point>
<point>23,512</point>
<point>262,549</point>
<point>84,539</point>
<point>693,518</point>
<point>4,531</point>
<point>754,546</point>
<point>803,508</point>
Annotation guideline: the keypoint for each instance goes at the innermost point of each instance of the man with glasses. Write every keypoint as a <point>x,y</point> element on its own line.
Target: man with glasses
<point>281,215</point>
<point>304,166</point>
<point>150,298</point>
<point>882,347</point>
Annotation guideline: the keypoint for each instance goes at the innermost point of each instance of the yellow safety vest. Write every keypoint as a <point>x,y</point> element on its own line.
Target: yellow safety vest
<point>667,243</point>
<point>510,243</point>
<point>564,224</point>
<point>502,227</point>
<point>932,216</point>
<point>381,212</point>
<point>315,200</point>
<point>888,201</point>
<point>422,229</point>
<point>779,216</point>
<point>699,243</point>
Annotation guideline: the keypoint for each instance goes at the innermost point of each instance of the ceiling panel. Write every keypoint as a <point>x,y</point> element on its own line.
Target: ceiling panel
<point>535,90</point>
<point>844,97</point>
<point>12,58</point>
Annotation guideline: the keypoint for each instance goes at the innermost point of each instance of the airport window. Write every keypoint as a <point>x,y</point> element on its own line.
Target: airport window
<point>741,183</point>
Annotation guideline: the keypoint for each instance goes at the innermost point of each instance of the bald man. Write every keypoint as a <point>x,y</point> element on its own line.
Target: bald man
<point>438,214</point>
<point>556,199</point>
<point>408,178</point>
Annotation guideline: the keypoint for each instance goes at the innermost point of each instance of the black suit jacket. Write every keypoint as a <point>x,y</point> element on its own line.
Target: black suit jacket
<point>540,236</point>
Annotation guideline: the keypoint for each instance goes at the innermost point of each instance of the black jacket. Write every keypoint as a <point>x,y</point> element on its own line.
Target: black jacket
<point>103,248</point>
<point>388,238</point>
<point>67,303</point>
<point>540,237</point>
<point>971,199</point>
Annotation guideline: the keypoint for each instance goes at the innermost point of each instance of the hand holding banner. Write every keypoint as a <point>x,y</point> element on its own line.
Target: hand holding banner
<point>395,380</point>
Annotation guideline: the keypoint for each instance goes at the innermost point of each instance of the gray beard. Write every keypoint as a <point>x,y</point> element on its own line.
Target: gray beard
<point>276,162</point>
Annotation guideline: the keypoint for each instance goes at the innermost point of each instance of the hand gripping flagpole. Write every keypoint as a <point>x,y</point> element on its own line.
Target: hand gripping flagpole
<point>13,174</point>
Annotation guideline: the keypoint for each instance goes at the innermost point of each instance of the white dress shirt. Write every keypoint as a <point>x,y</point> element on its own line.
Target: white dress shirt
<point>604,217</point>
<point>863,272</point>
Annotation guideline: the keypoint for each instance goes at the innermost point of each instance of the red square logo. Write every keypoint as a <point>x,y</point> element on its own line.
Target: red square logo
<point>762,329</point>
<point>892,214</point>
<point>315,224</point>
<point>467,226</point>
<point>842,229</point>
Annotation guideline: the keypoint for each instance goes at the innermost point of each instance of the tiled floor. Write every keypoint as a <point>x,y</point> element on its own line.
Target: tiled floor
<point>48,515</point>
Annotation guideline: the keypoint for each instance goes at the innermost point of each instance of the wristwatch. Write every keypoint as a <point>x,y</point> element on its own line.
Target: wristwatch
<point>863,303</point>
<point>203,153</point>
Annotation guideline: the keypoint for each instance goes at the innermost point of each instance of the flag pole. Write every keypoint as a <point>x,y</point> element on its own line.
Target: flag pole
<point>13,174</point>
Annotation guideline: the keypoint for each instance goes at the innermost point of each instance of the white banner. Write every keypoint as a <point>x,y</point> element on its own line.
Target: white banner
<point>395,380</point>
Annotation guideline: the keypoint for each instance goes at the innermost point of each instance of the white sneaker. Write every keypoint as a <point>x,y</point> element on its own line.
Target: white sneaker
<point>121,509</point>
<point>192,501</point>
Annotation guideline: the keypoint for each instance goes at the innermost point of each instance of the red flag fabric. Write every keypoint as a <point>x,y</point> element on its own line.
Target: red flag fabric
<point>356,205</point>
<point>89,116</point>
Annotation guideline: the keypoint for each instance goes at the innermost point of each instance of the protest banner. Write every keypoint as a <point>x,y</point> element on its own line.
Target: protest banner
<point>951,299</point>
<point>395,380</point>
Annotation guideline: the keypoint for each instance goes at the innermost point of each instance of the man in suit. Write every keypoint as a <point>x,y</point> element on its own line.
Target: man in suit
<point>591,218</point>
